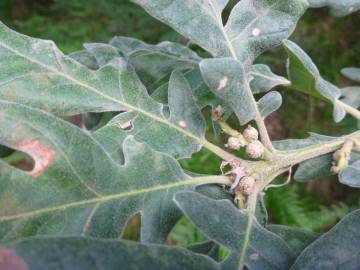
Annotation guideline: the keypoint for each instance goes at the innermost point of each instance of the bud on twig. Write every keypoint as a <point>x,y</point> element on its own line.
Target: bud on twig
<point>255,149</point>
<point>247,185</point>
<point>218,113</point>
<point>233,143</point>
<point>251,134</point>
<point>341,157</point>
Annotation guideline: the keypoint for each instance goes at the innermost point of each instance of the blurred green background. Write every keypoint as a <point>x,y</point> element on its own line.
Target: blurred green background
<point>333,43</point>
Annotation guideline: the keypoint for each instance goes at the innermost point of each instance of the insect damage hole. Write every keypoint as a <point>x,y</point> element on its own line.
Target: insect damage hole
<point>32,156</point>
<point>17,158</point>
<point>132,230</point>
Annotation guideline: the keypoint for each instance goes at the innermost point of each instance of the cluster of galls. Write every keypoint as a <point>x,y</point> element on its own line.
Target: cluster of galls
<point>243,183</point>
<point>254,148</point>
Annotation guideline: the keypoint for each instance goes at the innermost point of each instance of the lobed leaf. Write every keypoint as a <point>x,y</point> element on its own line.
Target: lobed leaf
<point>269,103</point>
<point>75,188</point>
<point>167,57</point>
<point>183,113</point>
<point>226,78</point>
<point>351,94</point>
<point>352,73</point>
<point>225,224</point>
<point>208,248</point>
<point>297,239</point>
<point>75,253</point>
<point>351,175</point>
<point>252,27</point>
<point>336,249</point>
<point>152,62</point>
<point>338,8</point>
<point>35,73</point>
<point>313,168</point>
<point>293,144</point>
<point>263,79</point>
<point>305,77</point>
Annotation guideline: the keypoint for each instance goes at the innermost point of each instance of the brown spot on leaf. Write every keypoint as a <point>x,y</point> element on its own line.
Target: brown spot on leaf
<point>9,260</point>
<point>42,154</point>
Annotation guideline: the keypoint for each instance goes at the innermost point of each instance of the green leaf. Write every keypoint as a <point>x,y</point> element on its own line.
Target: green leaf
<point>336,249</point>
<point>297,239</point>
<point>293,144</point>
<point>226,78</point>
<point>35,73</point>
<point>225,224</point>
<point>208,248</point>
<point>314,168</point>
<point>351,96</point>
<point>263,79</point>
<point>305,77</point>
<point>261,213</point>
<point>91,254</point>
<point>86,59</point>
<point>338,8</point>
<point>351,175</point>
<point>184,113</point>
<point>76,188</point>
<point>252,27</point>
<point>154,62</point>
<point>167,57</point>
<point>320,166</point>
<point>352,73</point>
<point>269,103</point>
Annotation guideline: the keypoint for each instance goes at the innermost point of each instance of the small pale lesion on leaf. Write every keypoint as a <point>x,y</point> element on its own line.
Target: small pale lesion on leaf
<point>254,256</point>
<point>223,83</point>
<point>182,123</point>
<point>9,260</point>
<point>43,155</point>
<point>125,125</point>
<point>256,32</point>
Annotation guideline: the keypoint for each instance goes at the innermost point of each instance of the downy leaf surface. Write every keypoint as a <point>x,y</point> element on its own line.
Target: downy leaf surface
<point>252,26</point>
<point>262,79</point>
<point>306,78</point>
<point>225,224</point>
<point>75,188</point>
<point>338,8</point>
<point>336,249</point>
<point>76,253</point>
<point>35,73</point>
<point>297,239</point>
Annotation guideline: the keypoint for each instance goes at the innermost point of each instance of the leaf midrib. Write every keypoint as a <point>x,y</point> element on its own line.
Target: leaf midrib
<point>202,141</point>
<point>107,198</point>
<point>243,31</point>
